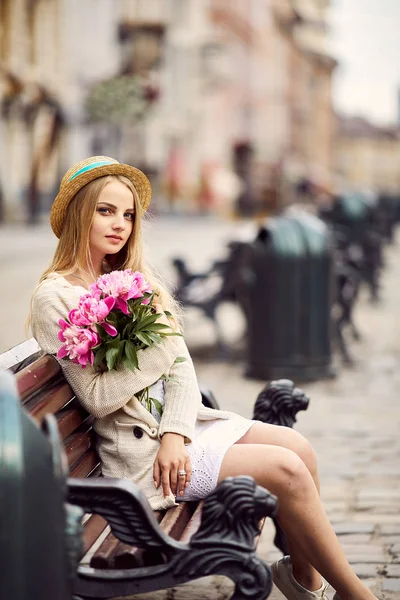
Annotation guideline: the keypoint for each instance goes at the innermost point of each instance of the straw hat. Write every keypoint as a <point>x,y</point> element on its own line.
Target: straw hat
<point>86,171</point>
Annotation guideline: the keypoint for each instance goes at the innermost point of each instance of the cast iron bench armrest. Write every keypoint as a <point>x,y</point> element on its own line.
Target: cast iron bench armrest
<point>224,543</point>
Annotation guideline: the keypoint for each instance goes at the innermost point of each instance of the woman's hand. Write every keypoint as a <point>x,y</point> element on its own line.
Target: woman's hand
<point>172,458</point>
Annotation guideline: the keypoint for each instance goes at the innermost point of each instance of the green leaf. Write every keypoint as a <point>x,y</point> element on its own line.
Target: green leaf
<point>159,407</point>
<point>173,333</point>
<point>146,322</point>
<point>144,338</point>
<point>169,378</point>
<point>158,327</point>
<point>99,357</point>
<point>154,337</point>
<point>180,359</point>
<point>103,334</point>
<point>111,357</point>
<point>131,355</point>
<point>141,395</point>
<point>112,317</point>
<point>166,312</point>
<point>121,350</point>
<point>125,361</point>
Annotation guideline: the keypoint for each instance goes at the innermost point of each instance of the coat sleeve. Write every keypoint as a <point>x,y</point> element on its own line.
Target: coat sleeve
<point>100,393</point>
<point>182,399</point>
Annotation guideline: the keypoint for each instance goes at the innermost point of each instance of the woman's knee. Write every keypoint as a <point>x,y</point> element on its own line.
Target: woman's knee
<point>285,437</point>
<point>306,452</point>
<point>292,475</point>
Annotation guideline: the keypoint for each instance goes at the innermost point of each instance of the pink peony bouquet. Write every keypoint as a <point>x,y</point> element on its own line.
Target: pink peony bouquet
<point>112,322</point>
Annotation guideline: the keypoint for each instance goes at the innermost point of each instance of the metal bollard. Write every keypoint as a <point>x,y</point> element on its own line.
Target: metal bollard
<point>39,533</point>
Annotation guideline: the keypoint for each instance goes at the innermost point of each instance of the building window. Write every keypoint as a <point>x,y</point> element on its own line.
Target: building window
<point>142,46</point>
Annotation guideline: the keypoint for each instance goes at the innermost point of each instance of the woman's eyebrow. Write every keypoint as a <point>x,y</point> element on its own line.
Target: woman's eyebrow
<point>113,206</point>
<point>106,204</point>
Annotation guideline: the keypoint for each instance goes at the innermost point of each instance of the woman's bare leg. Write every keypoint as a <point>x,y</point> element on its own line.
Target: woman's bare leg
<point>283,473</point>
<point>264,433</point>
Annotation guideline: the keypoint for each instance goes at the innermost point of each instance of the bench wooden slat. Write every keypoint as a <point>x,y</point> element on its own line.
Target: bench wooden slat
<point>23,354</point>
<point>72,417</point>
<point>86,465</point>
<point>92,529</point>
<point>34,377</point>
<point>77,444</point>
<point>176,519</point>
<point>50,401</point>
<point>193,524</point>
<point>96,472</point>
<point>172,522</point>
<point>103,555</point>
<point>129,557</point>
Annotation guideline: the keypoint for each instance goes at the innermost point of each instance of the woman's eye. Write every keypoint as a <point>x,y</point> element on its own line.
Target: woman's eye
<point>129,216</point>
<point>103,210</point>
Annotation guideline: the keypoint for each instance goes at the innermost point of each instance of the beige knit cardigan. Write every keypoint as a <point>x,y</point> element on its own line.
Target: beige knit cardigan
<point>110,396</point>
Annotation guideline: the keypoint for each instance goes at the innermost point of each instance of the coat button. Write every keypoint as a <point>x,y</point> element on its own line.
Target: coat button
<point>137,432</point>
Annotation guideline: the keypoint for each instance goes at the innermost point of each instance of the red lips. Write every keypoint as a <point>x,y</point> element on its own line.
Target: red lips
<point>114,237</point>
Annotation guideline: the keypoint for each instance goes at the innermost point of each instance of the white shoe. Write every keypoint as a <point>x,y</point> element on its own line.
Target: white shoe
<point>282,575</point>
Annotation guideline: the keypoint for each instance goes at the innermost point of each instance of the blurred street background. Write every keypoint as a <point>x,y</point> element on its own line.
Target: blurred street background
<point>227,106</point>
<point>270,131</point>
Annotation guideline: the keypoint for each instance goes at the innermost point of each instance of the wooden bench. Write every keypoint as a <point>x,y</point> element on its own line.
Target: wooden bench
<point>127,548</point>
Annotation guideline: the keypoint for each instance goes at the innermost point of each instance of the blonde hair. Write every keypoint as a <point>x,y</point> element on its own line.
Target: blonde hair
<point>75,236</point>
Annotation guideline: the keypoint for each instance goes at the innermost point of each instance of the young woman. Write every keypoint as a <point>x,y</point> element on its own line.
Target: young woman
<point>184,453</point>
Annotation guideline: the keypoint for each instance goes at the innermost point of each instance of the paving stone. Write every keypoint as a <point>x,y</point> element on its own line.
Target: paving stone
<point>376,518</point>
<point>356,538</point>
<point>369,549</point>
<point>391,585</point>
<point>342,528</point>
<point>365,570</point>
<point>390,529</point>
<point>378,494</point>
<point>376,503</point>
<point>213,588</point>
<point>377,509</point>
<point>391,539</point>
<point>391,571</point>
<point>365,557</point>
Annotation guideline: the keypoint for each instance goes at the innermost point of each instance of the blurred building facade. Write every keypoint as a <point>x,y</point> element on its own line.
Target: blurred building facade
<point>218,100</point>
<point>367,156</point>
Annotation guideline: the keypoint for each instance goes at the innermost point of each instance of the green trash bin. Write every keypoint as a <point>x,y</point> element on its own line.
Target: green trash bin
<point>351,214</point>
<point>290,292</point>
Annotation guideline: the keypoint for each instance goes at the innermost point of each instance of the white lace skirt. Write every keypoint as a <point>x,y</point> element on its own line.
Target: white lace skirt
<point>212,440</point>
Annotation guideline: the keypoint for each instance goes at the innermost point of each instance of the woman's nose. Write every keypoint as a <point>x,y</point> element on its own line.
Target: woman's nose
<point>119,222</point>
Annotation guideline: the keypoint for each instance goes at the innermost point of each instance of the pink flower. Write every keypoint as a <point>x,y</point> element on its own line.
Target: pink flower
<point>143,285</point>
<point>78,343</point>
<point>92,310</point>
<point>122,285</point>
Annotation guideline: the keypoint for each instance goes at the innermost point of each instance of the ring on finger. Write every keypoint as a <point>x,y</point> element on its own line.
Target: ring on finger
<point>182,473</point>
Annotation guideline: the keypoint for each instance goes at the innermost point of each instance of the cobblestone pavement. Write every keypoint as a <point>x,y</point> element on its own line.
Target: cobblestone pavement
<point>353,420</point>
